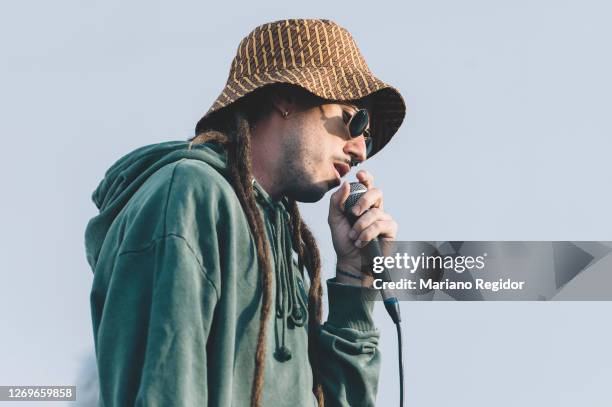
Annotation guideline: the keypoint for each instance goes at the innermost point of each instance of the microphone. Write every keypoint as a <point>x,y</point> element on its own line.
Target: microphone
<point>373,249</point>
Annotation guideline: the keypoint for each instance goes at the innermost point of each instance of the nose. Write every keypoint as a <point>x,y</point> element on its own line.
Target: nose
<point>356,148</point>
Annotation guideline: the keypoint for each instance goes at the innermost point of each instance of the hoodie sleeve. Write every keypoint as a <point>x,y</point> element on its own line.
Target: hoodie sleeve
<point>157,317</point>
<point>350,359</point>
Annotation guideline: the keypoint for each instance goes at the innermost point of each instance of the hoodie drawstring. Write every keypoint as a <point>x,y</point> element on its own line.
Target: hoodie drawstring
<point>290,304</point>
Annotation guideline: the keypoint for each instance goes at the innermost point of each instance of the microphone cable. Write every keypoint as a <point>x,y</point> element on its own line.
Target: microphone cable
<point>392,307</point>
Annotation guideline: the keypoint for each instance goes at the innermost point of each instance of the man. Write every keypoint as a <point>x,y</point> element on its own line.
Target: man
<point>199,294</point>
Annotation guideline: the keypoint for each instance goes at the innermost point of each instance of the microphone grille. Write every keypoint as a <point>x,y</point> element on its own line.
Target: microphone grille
<point>357,189</point>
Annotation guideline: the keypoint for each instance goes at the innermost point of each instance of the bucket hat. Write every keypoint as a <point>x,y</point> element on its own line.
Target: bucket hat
<point>319,56</point>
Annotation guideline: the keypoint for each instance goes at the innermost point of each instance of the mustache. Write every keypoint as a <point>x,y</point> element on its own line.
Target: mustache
<point>344,160</point>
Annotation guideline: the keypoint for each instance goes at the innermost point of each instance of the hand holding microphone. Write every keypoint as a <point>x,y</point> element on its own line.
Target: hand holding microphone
<point>371,222</point>
<point>372,250</point>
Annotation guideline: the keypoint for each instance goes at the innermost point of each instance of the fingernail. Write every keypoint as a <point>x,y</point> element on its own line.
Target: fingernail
<point>358,243</point>
<point>356,209</point>
<point>352,234</point>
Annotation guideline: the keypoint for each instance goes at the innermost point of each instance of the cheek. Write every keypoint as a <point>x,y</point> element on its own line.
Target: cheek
<point>314,157</point>
<point>319,146</point>
<point>316,145</point>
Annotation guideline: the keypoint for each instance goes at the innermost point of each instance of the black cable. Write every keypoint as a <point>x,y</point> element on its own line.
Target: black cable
<point>393,308</point>
<point>401,362</point>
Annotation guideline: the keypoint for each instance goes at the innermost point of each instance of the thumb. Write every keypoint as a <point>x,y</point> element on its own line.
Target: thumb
<point>336,202</point>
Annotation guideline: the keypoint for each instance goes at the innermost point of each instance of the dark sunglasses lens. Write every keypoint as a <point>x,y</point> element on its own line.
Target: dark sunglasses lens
<point>359,122</point>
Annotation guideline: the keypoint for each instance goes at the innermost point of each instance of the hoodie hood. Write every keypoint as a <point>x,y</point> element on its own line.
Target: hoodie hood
<point>124,177</point>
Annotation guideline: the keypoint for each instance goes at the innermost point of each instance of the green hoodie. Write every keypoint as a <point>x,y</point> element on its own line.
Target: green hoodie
<point>176,293</point>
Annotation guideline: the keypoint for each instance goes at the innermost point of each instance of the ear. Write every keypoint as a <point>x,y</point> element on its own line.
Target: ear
<point>284,100</point>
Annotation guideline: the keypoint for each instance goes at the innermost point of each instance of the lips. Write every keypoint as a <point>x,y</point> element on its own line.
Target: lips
<point>342,169</point>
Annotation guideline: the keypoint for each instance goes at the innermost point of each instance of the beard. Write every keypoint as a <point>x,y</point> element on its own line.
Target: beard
<point>312,192</point>
<point>299,165</point>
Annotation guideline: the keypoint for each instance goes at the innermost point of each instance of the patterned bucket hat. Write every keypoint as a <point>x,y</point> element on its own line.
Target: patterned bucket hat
<point>319,56</point>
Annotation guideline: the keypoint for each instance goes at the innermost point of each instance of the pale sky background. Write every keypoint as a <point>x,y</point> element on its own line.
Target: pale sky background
<point>507,137</point>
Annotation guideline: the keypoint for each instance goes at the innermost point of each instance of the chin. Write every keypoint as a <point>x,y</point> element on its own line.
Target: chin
<point>311,193</point>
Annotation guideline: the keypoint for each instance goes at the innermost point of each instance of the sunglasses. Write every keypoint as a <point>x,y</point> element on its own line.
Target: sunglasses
<point>357,125</point>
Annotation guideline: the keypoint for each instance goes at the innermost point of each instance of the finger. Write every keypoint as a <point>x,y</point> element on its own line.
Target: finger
<point>365,178</point>
<point>371,198</point>
<point>383,229</point>
<point>365,220</point>
<point>337,199</point>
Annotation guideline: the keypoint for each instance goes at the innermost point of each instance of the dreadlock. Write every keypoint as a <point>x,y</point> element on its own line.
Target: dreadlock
<point>237,141</point>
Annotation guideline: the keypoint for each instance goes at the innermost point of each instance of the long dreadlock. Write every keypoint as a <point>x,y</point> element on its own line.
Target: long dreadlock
<point>237,141</point>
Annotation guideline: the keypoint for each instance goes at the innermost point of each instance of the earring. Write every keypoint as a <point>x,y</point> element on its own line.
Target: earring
<point>285,114</point>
